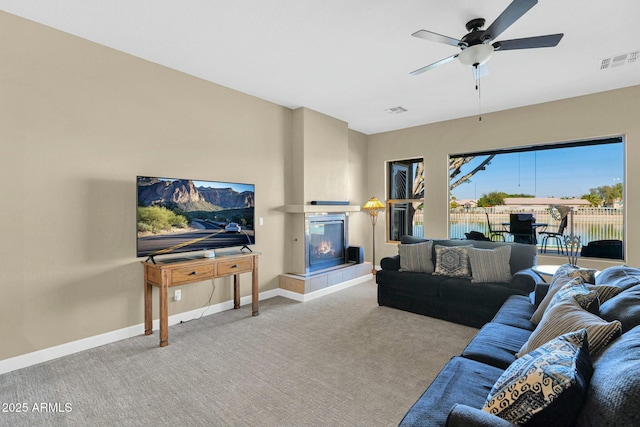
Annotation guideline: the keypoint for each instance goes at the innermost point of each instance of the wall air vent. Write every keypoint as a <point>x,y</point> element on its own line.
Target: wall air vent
<point>619,60</point>
<point>396,110</point>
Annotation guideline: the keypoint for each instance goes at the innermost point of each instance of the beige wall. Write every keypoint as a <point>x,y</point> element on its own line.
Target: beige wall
<point>79,122</point>
<point>603,114</point>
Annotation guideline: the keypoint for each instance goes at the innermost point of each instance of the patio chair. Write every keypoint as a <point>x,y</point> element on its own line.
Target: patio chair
<point>555,235</point>
<point>521,228</point>
<point>495,233</point>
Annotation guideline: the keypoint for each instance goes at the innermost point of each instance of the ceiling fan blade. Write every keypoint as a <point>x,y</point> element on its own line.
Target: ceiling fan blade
<point>511,14</point>
<point>550,40</point>
<point>434,65</point>
<point>435,37</point>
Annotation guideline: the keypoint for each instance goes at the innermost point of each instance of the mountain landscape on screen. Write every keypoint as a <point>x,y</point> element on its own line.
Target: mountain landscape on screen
<point>179,215</point>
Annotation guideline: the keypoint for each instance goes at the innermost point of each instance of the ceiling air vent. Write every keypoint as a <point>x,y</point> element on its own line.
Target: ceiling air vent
<point>396,110</point>
<point>619,60</point>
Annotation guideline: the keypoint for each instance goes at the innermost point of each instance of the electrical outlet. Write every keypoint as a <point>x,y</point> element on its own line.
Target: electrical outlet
<point>177,295</point>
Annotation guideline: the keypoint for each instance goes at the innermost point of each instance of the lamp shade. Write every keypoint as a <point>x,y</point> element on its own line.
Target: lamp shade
<point>373,204</point>
<point>476,55</point>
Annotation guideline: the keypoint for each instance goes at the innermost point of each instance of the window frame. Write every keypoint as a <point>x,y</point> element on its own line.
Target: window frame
<point>391,201</point>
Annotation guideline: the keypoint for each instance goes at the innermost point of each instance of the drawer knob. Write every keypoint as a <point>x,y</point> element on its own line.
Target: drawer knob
<point>234,266</point>
<point>193,273</point>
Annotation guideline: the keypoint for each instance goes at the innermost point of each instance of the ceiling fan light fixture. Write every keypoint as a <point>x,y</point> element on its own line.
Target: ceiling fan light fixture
<point>476,55</point>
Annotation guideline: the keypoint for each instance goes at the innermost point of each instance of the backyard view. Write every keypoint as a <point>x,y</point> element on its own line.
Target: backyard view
<point>572,189</point>
<point>582,181</point>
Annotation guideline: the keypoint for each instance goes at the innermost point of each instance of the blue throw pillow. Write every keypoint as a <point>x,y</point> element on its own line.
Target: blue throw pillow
<point>546,386</point>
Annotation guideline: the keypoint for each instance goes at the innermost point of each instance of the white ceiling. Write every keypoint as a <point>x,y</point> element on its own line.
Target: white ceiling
<point>351,59</point>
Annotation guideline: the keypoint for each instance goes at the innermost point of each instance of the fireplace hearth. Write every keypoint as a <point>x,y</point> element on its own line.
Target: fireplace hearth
<point>326,238</point>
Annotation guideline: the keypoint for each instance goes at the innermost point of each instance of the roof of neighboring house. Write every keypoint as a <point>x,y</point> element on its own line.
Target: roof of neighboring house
<point>543,201</point>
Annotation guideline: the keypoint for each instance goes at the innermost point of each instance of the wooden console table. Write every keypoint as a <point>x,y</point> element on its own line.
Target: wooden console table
<point>166,274</point>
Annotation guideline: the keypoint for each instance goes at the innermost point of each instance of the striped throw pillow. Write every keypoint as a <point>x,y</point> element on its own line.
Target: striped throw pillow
<point>490,265</point>
<point>416,257</point>
<point>568,316</point>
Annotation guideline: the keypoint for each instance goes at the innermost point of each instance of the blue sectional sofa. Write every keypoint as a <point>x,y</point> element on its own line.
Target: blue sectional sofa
<point>499,371</point>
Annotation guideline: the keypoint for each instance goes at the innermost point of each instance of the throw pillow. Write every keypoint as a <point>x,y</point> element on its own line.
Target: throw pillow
<point>605,292</point>
<point>586,298</point>
<point>557,283</point>
<point>490,265</point>
<point>587,274</point>
<point>544,387</point>
<point>416,257</point>
<point>568,316</point>
<point>452,261</point>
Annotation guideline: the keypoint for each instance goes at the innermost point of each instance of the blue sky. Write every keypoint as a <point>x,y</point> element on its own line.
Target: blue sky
<point>240,188</point>
<point>563,172</point>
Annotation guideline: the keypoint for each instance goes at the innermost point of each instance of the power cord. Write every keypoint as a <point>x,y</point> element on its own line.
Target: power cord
<point>207,305</point>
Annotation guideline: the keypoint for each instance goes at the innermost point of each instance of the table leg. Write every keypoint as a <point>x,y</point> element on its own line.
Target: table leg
<point>148,321</point>
<point>254,288</point>
<point>236,291</point>
<point>164,312</point>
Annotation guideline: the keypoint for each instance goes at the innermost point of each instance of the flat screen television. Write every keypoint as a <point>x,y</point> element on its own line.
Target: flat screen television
<point>184,215</point>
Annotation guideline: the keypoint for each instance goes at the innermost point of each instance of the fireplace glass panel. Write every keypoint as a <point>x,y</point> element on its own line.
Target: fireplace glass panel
<point>326,242</point>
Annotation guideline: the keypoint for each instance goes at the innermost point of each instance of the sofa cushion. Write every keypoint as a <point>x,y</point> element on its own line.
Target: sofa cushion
<point>612,399</point>
<point>420,285</point>
<point>624,307</point>
<point>452,261</point>
<point>516,311</point>
<point>568,316</point>
<point>496,344</point>
<point>622,276</point>
<point>416,257</point>
<point>460,381</point>
<point>546,386</point>
<point>458,292</point>
<point>490,265</point>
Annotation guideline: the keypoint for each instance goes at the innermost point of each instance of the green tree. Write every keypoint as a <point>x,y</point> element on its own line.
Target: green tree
<point>492,199</point>
<point>608,193</point>
<point>594,199</point>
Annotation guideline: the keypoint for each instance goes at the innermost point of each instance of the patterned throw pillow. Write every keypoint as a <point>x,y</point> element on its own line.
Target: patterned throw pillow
<point>416,257</point>
<point>568,316</point>
<point>586,298</point>
<point>546,386</point>
<point>452,261</point>
<point>557,283</point>
<point>490,265</point>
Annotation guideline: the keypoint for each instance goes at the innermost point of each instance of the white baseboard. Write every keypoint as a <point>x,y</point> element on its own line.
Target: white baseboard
<point>51,353</point>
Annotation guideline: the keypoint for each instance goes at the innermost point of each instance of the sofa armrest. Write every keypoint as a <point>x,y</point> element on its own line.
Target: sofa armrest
<point>525,280</point>
<point>390,263</point>
<point>541,290</point>
<point>466,416</point>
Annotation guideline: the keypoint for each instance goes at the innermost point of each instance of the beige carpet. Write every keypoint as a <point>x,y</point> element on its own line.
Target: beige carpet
<point>340,360</point>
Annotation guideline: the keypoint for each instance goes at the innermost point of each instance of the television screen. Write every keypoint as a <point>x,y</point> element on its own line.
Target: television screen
<point>183,215</point>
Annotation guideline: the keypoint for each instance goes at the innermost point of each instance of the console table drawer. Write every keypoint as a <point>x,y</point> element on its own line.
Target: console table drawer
<point>233,267</point>
<point>189,274</point>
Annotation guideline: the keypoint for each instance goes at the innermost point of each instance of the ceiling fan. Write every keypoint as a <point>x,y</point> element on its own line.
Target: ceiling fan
<point>478,45</point>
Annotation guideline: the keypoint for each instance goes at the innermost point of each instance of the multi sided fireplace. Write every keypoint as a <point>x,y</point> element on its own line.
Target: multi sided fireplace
<point>326,238</point>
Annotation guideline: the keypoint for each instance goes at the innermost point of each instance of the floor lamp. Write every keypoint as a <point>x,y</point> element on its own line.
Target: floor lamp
<point>373,206</point>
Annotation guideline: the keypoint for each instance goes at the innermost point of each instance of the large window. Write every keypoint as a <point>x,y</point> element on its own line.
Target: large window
<point>405,198</point>
<point>582,180</point>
